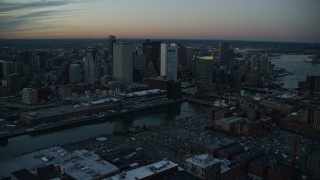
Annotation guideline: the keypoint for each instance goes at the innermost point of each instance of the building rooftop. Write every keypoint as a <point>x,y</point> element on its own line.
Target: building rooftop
<point>233,149</point>
<point>225,165</point>
<point>280,167</point>
<point>249,122</point>
<point>267,159</point>
<point>203,160</point>
<point>183,175</point>
<point>230,120</point>
<point>42,113</point>
<point>32,161</point>
<point>87,165</point>
<point>145,171</point>
<point>143,93</point>
<point>251,154</point>
<point>79,164</point>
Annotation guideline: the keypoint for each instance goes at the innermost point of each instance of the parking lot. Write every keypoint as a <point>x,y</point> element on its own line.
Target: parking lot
<point>180,138</point>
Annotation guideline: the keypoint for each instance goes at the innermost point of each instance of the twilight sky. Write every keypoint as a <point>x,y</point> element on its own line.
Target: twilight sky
<point>279,20</point>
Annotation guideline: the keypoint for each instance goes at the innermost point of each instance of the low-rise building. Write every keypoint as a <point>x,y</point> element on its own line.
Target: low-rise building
<point>227,124</point>
<point>258,168</point>
<point>204,167</point>
<point>80,164</point>
<point>29,96</point>
<point>248,127</point>
<point>228,152</point>
<point>221,113</point>
<point>244,158</point>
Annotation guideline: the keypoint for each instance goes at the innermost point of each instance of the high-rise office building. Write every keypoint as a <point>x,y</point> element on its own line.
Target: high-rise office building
<point>25,57</point>
<point>92,66</point>
<point>7,69</point>
<point>254,62</point>
<point>75,73</point>
<point>111,41</point>
<point>30,63</point>
<point>140,62</point>
<point>152,51</point>
<point>169,61</point>
<point>182,56</point>
<point>223,54</point>
<point>14,82</point>
<point>231,60</point>
<point>190,58</point>
<point>43,58</point>
<point>123,62</point>
<point>226,56</point>
<point>264,66</point>
<point>204,69</point>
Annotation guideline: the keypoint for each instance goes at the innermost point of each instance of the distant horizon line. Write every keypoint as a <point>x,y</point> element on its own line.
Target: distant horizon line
<point>141,38</point>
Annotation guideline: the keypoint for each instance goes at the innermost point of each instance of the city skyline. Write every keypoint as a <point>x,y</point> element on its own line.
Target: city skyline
<point>242,20</point>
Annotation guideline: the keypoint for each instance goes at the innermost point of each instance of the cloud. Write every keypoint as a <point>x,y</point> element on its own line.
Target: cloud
<point>29,21</point>
<point>31,16</point>
<point>14,6</point>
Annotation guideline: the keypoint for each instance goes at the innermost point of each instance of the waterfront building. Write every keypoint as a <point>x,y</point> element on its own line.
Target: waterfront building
<point>92,66</point>
<point>123,62</point>
<point>75,73</point>
<point>70,111</point>
<point>172,87</point>
<point>29,96</point>
<point>169,61</point>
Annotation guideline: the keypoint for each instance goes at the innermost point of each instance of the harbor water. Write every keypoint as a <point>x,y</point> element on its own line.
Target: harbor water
<point>297,65</point>
<point>151,117</point>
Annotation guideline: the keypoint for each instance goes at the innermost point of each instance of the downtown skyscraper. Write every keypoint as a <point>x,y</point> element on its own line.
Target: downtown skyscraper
<point>123,62</point>
<point>169,61</point>
<point>91,66</point>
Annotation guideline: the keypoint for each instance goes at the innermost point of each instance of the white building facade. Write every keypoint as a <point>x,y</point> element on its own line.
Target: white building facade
<point>169,61</point>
